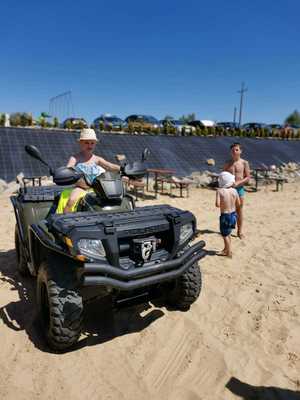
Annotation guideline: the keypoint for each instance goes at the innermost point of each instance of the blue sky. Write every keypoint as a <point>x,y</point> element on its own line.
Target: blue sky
<point>154,57</point>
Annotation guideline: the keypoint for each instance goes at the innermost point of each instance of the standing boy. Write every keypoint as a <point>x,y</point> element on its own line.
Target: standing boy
<point>228,200</point>
<point>241,170</point>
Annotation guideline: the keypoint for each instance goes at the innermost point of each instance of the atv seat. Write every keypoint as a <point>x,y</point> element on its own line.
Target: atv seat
<point>63,200</point>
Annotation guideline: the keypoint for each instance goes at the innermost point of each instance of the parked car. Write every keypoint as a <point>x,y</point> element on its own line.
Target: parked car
<point>208,123</point>
<point>256,125</point>
<point>228,125</point>
<point>138,121</point>
<point>178,125</point>
<point>275,126</point>
<point>196,123</point>
<point>74,123</point>
<point>108,122</point>
<point>295,127</point>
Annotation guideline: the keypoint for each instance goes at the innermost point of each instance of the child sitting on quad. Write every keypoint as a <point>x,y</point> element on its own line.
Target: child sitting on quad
<point>88,163</point>
<point>228,200</point>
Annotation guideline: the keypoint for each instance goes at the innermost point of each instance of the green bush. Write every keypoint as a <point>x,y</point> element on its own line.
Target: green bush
<point>198,131</point>
<point>212,131</point>
<point>100,126</point>
<point>15,119</point>
<point>79,125</point>
<point>240,132</point>
<point>220,131</point>
<point>55,122</point>
<point>2,119</point>
<point>68,124</point>
<point>156,131</point>
<point>20,119</point>
<point>42,122</point>
<point>130,128</point>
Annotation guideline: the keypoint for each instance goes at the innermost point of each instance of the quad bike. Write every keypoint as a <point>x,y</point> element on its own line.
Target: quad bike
<point>108,247</point>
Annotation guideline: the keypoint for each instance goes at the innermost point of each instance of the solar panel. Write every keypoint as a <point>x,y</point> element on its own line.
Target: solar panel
<point>183,154</point>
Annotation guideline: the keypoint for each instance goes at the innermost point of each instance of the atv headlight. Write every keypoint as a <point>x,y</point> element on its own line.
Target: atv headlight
<point>186,231</point>
<point>91,248</point>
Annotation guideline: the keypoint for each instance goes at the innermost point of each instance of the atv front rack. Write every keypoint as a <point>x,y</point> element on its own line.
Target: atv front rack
<point>40,193</point>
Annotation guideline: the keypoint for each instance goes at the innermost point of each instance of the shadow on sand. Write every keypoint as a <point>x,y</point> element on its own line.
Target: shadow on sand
<point>101,323</point>
<point>208,231</point>
<point>249,392</point>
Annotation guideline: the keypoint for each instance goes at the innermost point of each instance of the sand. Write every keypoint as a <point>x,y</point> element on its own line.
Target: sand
<point>242,335</point>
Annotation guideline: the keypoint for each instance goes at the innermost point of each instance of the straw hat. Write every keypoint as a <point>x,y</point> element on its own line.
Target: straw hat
<point>87,134</point>
<point>226,179</point>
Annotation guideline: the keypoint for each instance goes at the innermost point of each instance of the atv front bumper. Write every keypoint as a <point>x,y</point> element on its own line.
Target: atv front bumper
<point>104,274</point>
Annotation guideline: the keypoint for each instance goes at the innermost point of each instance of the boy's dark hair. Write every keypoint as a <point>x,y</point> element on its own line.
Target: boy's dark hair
<point>236,144</point>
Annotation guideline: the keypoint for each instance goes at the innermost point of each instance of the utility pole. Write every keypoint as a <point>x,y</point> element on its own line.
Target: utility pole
<point>242,91</point>
<point>234,115</point>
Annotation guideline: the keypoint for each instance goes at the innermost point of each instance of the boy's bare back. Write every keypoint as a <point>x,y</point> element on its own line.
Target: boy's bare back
<point>228,199</point>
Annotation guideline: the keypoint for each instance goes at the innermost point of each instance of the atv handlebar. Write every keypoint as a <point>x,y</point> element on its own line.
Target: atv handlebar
<point>69,176</point>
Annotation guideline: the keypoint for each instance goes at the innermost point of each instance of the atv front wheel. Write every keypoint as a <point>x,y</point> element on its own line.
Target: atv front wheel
<point>187,289</point>
<point>60,306</point>
<point>21,259</point>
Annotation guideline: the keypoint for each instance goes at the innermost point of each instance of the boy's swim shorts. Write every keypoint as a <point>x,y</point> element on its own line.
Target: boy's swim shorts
<point>240,190</point>
<point>227,223</point>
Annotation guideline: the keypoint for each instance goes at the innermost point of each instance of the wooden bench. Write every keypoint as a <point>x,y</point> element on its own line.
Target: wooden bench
<point>175,183</point>
<point>279,181</point>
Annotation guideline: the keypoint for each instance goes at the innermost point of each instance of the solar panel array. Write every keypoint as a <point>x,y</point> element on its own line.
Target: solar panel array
<point>183,154</point>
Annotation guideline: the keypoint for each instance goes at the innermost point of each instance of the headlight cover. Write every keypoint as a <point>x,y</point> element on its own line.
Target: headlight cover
<point>91,248</point>
<point>186,231</point>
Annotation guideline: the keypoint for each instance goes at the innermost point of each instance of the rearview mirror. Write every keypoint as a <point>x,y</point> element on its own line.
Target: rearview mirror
<point>35,153</point>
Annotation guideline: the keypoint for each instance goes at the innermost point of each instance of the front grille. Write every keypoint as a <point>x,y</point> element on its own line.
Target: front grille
<point>128,247</point>
<point>157,257</point>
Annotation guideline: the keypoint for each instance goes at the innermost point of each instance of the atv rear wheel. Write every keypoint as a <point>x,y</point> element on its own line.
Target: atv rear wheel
<point>21,259</point>
<point>60,306</point>
<point>187,289</point>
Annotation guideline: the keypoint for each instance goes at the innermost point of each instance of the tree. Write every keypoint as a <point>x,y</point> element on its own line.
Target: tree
<point>293,119</point>
<point>188,118</point>
<point>45,115</point>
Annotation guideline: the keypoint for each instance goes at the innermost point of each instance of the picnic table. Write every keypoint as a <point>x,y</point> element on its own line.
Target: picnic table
<point>179,183</point>
<point>265,171</point>
<point>158,172</point>
<point>257,177</point>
